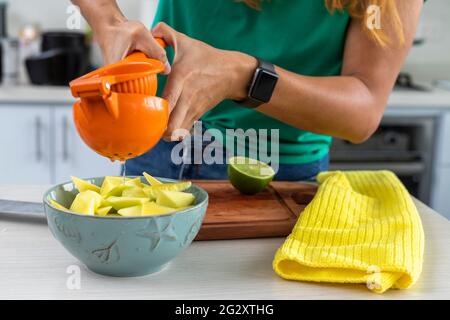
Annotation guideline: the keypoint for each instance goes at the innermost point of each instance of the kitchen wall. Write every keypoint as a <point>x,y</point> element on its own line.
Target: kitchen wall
<point>431,60</point>
<point>435,26</point>
<point>51,14</point>
<point>435,29</point>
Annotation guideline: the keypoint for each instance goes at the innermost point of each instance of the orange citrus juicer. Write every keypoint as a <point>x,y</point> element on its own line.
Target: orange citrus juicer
<point>118,114</point>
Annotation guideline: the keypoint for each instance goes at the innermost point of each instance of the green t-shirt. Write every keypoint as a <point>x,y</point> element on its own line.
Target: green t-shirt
<point>301,36</point>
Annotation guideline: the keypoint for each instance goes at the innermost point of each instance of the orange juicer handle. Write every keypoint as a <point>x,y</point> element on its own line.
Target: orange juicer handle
<point>161,42</point>
<point>90,87</point>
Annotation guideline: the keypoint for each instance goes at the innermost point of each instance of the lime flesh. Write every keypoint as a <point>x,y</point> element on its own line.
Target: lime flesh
<point>248,175</point>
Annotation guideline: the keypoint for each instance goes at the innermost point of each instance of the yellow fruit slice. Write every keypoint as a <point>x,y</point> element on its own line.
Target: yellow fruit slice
<point>116,191</point>
<point>153,191</point>
<point>150,192</point>
<point>175,199</point>
<point>57,205</point>
<point>134,192</point>
<point>86,202</point>
<point>84,207</point>
<point>125,202</point>
<point>109,183</point>
<point>92,194</point>
<point>151,208</point>
<point>134,211</point>
<point>103,211</point>
<point>83,185</point>
<point>135,182</point>
<point>151,180</point>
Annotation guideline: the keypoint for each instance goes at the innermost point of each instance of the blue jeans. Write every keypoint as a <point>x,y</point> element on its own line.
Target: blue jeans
<point>158,163</point>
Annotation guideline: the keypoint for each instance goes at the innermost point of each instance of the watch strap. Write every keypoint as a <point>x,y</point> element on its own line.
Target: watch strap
<point>250,103</point>
<point>265,65</point>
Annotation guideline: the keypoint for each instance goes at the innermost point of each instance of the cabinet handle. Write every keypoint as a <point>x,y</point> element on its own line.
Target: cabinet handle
<point>65,138</point>
<point>38,127</point>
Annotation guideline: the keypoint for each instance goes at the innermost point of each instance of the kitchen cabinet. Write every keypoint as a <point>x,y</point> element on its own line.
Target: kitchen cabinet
<point>441,199</point>
<point>443,151</point>
<point>72,156</point>
<point>39,145</point>
<point>404,144</point>
<point>25,144</point>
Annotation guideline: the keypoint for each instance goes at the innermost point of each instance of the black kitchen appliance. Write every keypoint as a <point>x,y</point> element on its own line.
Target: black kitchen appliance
<point>64,56</point>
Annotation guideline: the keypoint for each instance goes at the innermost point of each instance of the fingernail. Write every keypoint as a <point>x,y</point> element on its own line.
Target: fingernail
<point>167,68</point>
<point>155,28</point>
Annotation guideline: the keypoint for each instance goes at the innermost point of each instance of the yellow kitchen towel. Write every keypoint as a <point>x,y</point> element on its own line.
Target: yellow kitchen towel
<point>361,227</point>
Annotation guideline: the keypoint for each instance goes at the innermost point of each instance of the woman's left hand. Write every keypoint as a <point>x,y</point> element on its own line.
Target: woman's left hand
<point>201,78</point>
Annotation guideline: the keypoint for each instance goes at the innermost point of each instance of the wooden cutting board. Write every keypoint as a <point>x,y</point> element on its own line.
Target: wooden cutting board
<point>271,213</point>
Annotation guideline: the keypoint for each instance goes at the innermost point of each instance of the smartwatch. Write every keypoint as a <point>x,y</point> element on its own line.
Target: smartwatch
<point>262,86</point>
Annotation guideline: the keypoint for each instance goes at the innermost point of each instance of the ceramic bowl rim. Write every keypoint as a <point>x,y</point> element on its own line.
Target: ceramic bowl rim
<point>197,206</point>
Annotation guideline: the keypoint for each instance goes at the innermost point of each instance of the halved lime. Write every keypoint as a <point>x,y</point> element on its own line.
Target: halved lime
<point>249,176</point>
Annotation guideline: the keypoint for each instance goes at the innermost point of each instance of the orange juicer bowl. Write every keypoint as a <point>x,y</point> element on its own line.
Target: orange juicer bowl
<point>141,123</point>
<point>118,114</point>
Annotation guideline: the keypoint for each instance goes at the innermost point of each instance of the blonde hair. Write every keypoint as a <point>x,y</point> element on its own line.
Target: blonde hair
<point>358,9</point>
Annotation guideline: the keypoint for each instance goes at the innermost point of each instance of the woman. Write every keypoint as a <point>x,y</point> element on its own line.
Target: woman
<point>325,68</point>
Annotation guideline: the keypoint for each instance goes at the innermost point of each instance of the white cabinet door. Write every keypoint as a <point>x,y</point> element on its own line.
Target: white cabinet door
<point>442,145</point>
<point>72,155</point>
<point>25,146</point>
<point>441,191</point>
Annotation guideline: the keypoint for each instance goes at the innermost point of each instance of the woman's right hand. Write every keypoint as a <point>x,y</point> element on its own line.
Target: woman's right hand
<point>117,40</point>
<point>117,36</point>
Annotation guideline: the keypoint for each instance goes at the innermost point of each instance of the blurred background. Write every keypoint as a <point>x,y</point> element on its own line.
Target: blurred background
<point>45,44</point>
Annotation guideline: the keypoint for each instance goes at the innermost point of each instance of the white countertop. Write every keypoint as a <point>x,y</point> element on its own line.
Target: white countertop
<point>33,266</point>
<point>437,98</point>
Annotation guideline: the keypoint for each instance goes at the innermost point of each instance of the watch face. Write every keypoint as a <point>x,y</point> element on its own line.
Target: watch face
<point>263,85</point>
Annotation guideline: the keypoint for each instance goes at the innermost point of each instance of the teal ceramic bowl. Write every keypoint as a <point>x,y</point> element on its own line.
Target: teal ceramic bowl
<point>123,246</point>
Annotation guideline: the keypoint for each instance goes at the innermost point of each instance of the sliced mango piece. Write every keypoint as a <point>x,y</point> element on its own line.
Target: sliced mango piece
<point>175,199</point>
<point>117,191</point>
<point>134,192</point>
<point>103,211</point>
<point>83,185</point>
<point>131,211</point>
<point>125,202</point>
<point>109,183</point>
<point>92,194</point>
<point>57,205</point>
<point>84,207</point>
<point>86,202</point>
<point>152,208</point>
<point>134,182</point>
<point>153,191</point>
<point>151,180</point>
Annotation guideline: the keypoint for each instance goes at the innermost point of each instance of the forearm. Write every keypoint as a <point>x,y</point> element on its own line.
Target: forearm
<point>340,106</point>
<point>100,13</point>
